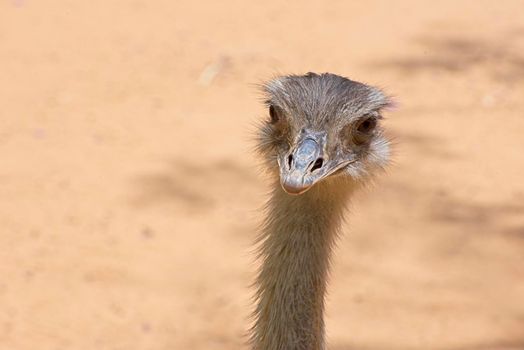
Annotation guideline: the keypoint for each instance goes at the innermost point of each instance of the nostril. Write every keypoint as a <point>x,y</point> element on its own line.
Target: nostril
<point>290,160</point>
<point>318,164</point>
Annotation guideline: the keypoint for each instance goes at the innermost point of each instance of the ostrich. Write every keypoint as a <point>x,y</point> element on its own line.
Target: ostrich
<point>322,140</point>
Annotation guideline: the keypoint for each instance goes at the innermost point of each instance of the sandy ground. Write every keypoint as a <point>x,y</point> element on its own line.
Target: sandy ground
<point>129,195</point>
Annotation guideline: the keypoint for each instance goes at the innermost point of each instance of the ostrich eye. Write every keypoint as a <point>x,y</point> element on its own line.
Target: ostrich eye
<point>364,130</point>
<point>367,125</point>
<point>273,114</point>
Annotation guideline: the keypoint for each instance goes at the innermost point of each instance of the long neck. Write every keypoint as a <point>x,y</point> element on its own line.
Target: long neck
<point>295,249</point>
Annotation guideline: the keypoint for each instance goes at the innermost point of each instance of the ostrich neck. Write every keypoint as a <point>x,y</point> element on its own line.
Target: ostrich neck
<point>296,245</point>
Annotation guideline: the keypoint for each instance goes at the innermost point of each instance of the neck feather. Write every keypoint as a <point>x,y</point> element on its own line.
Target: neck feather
<point>295,249</point>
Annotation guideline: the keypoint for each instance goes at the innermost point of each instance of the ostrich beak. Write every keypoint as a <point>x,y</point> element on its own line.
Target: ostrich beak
<point>302,167</point>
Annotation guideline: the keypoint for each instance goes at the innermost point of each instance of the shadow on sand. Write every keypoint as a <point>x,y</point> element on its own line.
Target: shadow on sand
<point>500,60</point>
<point>193,185</point>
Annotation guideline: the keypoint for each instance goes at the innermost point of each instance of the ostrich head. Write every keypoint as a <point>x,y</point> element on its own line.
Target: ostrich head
<point>322,127</point>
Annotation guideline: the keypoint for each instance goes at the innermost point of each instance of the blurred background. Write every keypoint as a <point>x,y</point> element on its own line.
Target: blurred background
<point>130,196</point>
